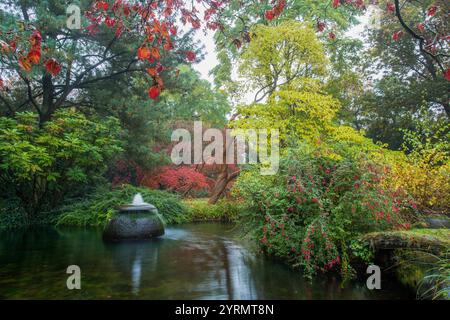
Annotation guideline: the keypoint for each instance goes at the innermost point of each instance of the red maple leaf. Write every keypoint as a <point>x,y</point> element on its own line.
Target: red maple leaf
<point>52,66</point>
<point>321,26</point>
<point>397,35</point>
<point>143,53</point>
<point>153,92</point>
<point>102,5</point>
<point>447,74</point>
<point>390,7</point>
<point>190,55</point>
<point>269,15</point>
<point>110,22</point>
<point>35,38</point>
<point>152,71</point>
<point>34,56</point>
<point>155,53</point>
<point>432,11</point>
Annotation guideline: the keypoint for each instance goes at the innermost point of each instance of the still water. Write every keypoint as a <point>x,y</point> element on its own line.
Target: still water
<point>194,261</point>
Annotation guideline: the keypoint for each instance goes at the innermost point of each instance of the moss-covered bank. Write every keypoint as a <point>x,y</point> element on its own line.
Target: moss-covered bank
<point>421,258</point>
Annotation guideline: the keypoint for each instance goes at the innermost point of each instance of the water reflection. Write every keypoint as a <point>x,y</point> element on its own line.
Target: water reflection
<point>203,261</point>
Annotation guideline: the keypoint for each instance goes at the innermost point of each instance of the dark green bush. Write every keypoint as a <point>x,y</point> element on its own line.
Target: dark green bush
<point>11,216</point>
<point>42,164</point>
<point>97,208</point>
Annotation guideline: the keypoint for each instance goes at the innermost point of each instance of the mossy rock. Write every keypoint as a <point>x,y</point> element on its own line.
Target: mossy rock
<point>438,222</point>
<point>431,240</point>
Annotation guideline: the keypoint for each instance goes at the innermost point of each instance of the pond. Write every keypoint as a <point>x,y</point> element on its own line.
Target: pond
<point>193,261</point>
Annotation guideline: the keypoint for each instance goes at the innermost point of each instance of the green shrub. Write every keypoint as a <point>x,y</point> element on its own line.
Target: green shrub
<point>322,198</point>
<point>224,210</point>
<point>11,215</point>
<point>96,209</point>
<point>45,163</point>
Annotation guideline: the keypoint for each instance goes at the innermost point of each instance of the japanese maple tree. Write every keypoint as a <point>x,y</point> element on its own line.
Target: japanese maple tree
<point>180,179</point>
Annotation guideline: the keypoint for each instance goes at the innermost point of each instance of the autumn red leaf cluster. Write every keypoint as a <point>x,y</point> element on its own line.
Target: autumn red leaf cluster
<point>159,26</point>
<point>52,66</point>
<point>397,35</point>
<point>431,12</point>
<point>276,10</point>
<point>390,7</point>
<point>178,179</point>
<point>30,53</point>
<point>190,56</point>
<point>34,54</point>
<point>153,92</point>
<point>447,74</point>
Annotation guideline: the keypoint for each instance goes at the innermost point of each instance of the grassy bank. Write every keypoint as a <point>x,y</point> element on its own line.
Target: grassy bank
<point>224,210</point>
<point>94,210</point>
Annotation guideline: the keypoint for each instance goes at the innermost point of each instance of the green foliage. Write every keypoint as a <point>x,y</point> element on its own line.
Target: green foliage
<point>305,113</point>
<point>399,80</point>
<point>97,208</point>
<point>238,18</point>
<point>278,56</point>
<point>323,198</point>
<point>192,99</point>
<point>40,165</point>
<point>224,210</point>
<point>388,109</point>
<point>438,279</point>
<point>362,250</point>
<point>11,215</point>
<point>427,273</point>
<point>331,187</point>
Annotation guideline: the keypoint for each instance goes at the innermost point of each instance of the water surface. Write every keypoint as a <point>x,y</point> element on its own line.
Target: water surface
<point>193,261</point>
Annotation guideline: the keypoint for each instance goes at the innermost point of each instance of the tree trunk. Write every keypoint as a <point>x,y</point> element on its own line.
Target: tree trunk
<point>224,178</point>
<point>48,107</point>
<point>219,186</point>
<point>446,106</point>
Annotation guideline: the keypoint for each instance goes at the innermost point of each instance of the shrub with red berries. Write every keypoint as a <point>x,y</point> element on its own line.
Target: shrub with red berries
<point>322,199</point>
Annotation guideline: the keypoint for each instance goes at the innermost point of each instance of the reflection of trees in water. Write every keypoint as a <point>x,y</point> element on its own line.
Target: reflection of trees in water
<point>35,261</point>
<point>273,280</point>
<point>169,269</point>
<point>200,262</point>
